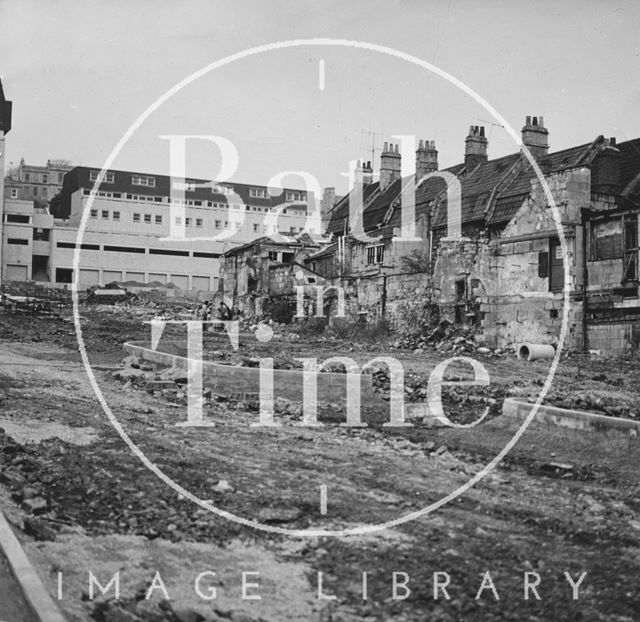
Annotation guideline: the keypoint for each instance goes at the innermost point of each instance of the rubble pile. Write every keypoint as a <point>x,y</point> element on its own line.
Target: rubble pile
<point>466,402</point>
<point>137,609</point>
<point>606,402</point>
<point>168,384</point>
<point>446,338</point>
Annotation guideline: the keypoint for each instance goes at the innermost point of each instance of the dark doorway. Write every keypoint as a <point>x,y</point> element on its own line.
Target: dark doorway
<point>40,267</point>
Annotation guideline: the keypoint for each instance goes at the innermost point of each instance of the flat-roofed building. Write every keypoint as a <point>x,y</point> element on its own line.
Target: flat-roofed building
<point>131,224</point>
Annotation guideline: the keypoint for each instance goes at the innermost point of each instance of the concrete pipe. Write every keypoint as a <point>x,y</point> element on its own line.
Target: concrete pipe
<point>535,351</point>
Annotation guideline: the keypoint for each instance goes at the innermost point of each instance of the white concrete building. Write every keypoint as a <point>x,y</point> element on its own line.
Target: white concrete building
<point>130,232</point>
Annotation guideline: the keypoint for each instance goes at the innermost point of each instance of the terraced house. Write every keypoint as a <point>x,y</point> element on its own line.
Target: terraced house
<point>506,271</point>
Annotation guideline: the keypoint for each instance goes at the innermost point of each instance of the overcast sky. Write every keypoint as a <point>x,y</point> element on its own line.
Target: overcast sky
<point>80,72</point>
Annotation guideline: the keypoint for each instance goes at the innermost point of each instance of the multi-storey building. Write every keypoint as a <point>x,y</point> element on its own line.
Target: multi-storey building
<point>130,232</point>
<point>37,183</point>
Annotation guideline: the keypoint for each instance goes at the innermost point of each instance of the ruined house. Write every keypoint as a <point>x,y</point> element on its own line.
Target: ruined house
<point>505,273</point>
<point>256,274</point>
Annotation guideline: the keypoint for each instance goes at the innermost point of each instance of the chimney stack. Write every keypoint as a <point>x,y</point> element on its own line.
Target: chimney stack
<point>389,165</point>
<point>475,147</point>
<point>605,169</point>
<point>367,172</point>
<point>535,136</point>
<point>426,158</point>
<point>363,173</point>
<point>327,202</point>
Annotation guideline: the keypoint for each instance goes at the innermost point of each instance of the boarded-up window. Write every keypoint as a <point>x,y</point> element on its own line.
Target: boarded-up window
<point>543,265</point>
<point>606,240</point>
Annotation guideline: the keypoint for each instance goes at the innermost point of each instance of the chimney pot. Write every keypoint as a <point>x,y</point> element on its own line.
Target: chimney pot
<point>426,159</point>
<point>421,144</point>
<point>535,137</point>
<point>475,147</point>
<point>390,165</point>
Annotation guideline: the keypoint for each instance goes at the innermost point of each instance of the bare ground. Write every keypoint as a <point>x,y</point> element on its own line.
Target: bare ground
<point>560,502</point>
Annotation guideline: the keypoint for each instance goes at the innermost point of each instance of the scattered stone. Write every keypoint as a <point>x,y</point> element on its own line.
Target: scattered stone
<point>224,486</point>
<point>131,361</point>
<point>279,515</point>
<point>187,615</point>
<point>35,505</point>
<point>128,373</point>
<point>29,493</point>
<point>13,479</point>
<point>117,614</point>
<point>39,529</point>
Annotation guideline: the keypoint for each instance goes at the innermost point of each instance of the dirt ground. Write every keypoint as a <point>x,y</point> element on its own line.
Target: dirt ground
<point>560,502</point>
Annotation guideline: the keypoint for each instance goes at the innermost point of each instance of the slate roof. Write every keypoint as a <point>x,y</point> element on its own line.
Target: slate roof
<point>339,213</point>
<point>630,163</point>
<point>491,193</point>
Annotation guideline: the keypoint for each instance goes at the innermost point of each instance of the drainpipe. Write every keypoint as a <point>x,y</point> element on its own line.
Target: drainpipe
<point>383,302</point>
<point>585,280</point>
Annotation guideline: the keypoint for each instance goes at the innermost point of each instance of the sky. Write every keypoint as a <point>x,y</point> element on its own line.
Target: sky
<point>81,72</point>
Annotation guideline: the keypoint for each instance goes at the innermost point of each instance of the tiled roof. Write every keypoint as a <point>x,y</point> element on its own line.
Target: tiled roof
<point>494,191</point>
<point>339,214</point>
<point>511,196</point>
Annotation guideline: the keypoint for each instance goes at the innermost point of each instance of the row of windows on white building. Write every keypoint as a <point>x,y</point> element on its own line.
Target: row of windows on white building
<point>150,182</point>
<point>157,219</point>
<point>191,202</point>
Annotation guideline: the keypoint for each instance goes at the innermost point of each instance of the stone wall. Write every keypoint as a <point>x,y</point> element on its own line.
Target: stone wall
<point>502,279</point>
<point>615,339</point>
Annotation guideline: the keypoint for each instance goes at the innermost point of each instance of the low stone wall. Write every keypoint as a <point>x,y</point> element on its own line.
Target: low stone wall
<point>566,418</point>
<point>228,379</point>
